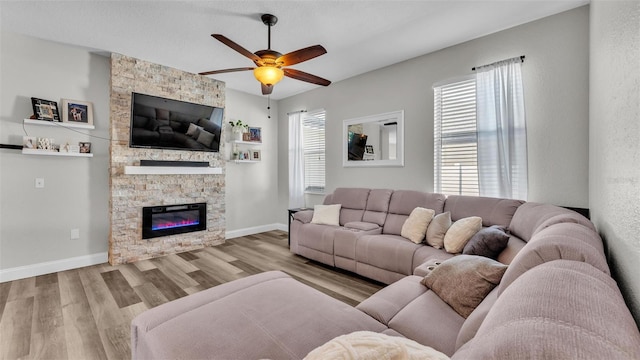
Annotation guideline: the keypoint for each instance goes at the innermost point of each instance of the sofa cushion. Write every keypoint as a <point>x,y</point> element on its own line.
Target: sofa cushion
<point>475,319</point>
<point>326,214</point>
<point>388,301</point>
<point>559,310</point>
<point>389,252</point>
<point>568,241</point>
<point>318,237</point>
<point>464,281</point>
<point>377,206</point>
<point>532,217</point>
<point>205,138</point>
<point>403,202</point>
<point>361,225</point>
<point>429,321</point>
<point>438,229</point>
<point>493,211</point>
<point>415,227</point>
<point>488,242</point>
<point>353,201</point>
<point>368,345</point>
<point>193,130</point>
<point>460,233</point>
<point>269,315</point>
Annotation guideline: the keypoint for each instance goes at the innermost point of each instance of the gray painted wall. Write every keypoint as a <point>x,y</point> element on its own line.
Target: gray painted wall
<point>556,99</point>
<point>614,154</point>
<point>35,224</point>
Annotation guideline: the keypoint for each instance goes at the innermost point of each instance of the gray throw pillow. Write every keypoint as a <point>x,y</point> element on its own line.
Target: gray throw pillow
<point>205,138</point>
<point>488,242</point>
<point>463,281</point>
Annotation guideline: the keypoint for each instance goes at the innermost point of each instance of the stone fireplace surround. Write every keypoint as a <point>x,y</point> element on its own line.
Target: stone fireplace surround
<point>131,192</point>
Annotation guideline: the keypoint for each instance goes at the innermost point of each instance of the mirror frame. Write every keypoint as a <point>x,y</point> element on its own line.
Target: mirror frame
<point>397,116</point>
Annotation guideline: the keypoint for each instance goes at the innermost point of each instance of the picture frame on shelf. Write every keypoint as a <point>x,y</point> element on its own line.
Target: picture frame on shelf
<point>85,147</point>
<point>77,111</point>
<point>256,155</point>
<point>255,134</point>
<point>45,109</point>
<point>74,149</point>
<point>246,136</point>
<point>29,142</point>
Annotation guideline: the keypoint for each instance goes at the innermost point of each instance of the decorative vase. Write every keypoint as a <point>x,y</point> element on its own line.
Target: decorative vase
<point>237,135</point>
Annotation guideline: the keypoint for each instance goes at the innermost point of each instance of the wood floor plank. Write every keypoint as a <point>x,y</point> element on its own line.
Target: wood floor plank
<point>103,306</point>
<point>144,265</point>
<point>167,287</point>
<point>5,287</point>
<point>134,276</point>
<point>22,289</point>
<point>122,292</point>
<point>183,265</point>
<point>150,295</point>
<point>47,329</point>
<point>204,280</point>
<point>82,338</point>
<point>15,328</point>
<point>215,251</point>
<point>175,273</point>
<point>46,279</point>
<point>187,255</point>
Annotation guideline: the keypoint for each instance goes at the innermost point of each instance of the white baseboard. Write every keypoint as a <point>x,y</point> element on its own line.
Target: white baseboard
<point>49,267</point>
<point>255,230</point>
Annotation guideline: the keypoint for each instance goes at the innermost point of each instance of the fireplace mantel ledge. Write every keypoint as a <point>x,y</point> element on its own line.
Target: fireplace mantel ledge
<point>171,170</point>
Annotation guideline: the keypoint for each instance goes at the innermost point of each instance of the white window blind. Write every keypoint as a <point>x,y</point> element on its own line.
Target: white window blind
<point>313,135</point>
<point>455,138</point>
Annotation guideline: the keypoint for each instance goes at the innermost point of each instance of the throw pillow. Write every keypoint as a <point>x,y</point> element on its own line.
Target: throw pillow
<point>464,280</point>
<point>415,227</point>
<point>488,242</point>
<point>326,214</point>
<point>193,130</point>
<point>460,233</point>
<point>369,345</point>
<point>205,138</point>
<point>437,229</point>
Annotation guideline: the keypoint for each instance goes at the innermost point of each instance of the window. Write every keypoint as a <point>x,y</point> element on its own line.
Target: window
<point>455,138</point>
<point>314,150</point>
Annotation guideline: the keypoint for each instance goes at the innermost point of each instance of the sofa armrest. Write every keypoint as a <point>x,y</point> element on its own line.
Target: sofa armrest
<point>303,216</point>
<point>362,226</point>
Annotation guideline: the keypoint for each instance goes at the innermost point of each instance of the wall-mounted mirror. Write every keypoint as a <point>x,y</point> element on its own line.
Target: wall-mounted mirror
<point>375,140</point>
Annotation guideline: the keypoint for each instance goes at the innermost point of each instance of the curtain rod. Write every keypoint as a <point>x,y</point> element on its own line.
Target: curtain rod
<point>521,59</point>
<point>295,112</point>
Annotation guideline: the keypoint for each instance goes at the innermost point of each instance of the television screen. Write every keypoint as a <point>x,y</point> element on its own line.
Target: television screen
<point>161,123</point>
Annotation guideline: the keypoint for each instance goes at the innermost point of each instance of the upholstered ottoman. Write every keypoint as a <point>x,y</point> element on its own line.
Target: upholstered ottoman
<point>269,315</point>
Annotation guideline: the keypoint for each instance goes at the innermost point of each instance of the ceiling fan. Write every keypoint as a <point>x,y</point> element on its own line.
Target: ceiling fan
<point>269,63</point>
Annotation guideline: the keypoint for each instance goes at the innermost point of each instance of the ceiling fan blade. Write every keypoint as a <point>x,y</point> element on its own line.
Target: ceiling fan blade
<point>303,76</point>
<point>225,71</point>
<point>298,56</point>
<point>225,40</point>
<point>266,89</point>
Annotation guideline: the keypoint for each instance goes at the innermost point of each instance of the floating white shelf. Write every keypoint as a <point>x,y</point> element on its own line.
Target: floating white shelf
<point>171,170</point>
<point>61,124</point>
<point>247,142</point>
<point>53,153</point>
<point>245,161</point>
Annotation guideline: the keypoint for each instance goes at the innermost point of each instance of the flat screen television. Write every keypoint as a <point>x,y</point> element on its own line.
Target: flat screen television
<point>159,123</point>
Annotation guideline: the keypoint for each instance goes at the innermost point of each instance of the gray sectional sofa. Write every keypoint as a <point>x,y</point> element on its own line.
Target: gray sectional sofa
<point>556,300</point>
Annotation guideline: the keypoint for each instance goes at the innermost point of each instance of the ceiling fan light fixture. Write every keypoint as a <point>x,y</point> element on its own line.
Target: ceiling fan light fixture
<point>268,75</point>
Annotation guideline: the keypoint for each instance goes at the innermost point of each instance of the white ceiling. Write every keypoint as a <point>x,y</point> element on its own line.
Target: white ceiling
<point>359,36</point>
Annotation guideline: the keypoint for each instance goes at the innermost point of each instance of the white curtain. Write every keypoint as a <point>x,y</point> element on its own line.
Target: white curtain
<point>502,134</point>
<point>296,161</point>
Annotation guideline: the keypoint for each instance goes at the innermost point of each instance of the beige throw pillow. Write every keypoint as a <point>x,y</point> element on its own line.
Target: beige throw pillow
<point>415,227</point>
<point>460,233</point>
<point>326,214</point>
<point>463,281</point>
<point>437,229</point>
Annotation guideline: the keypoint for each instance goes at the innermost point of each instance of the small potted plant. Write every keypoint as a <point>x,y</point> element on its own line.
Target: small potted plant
<point>238,128</point>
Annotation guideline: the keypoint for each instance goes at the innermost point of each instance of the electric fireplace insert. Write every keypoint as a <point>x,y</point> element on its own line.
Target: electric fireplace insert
<point>173,219</point>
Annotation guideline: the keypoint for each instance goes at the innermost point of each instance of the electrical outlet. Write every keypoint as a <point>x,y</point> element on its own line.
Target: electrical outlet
<point>75,234</point>
<point>39,183</point>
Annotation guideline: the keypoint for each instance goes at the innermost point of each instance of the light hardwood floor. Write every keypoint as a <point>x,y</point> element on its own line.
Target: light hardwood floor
<point>86,313</point>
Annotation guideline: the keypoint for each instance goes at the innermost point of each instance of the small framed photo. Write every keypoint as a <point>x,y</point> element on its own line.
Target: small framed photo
<point>255,155</point>
<point>73,149</point>
<point>77,111</point>
<point>255,134</point>
<point>45,109</point>
<point>85,147</point>
<point>29,142</point>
